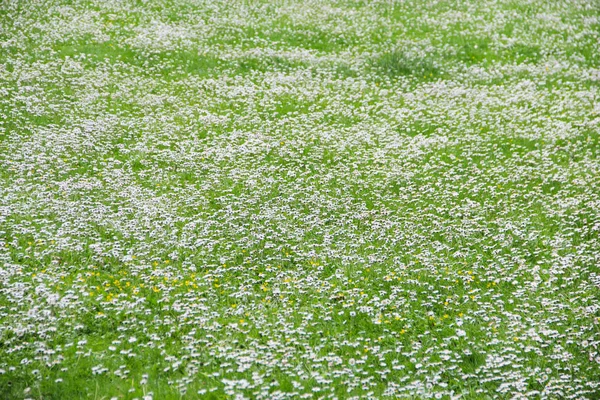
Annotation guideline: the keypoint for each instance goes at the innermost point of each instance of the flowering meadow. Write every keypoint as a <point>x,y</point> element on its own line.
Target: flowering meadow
<point>299,199</point>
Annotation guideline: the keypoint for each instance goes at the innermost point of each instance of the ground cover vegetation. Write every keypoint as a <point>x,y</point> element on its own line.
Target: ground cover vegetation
<point>299,199</point>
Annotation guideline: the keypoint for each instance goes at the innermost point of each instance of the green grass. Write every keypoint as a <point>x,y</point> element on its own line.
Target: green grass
<point>398,63</point>
<point>303,200</point>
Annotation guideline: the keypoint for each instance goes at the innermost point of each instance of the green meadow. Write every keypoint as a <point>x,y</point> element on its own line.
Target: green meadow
<point>346,199</point>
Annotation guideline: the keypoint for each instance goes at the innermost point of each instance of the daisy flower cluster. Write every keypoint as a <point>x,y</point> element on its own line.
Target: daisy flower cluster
<point>338,199</point>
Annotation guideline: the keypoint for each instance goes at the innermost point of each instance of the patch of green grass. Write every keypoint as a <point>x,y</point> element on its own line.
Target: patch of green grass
<point>399,63</point>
